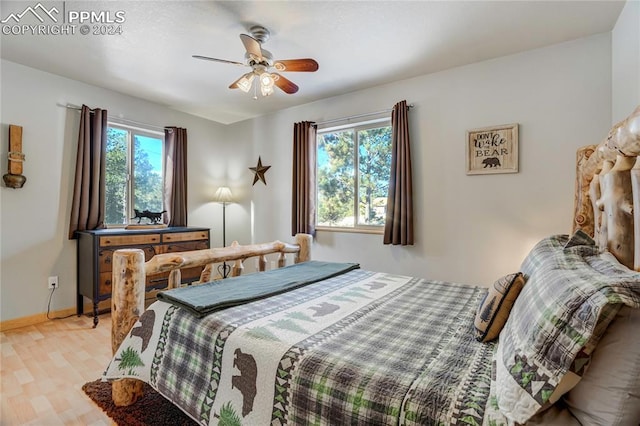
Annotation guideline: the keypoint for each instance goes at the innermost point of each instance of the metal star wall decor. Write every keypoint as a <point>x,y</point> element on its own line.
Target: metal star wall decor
<point>259,171</point>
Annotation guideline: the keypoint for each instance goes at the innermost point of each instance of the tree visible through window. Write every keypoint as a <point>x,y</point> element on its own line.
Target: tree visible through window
<point>353,176</point>
<point>133,173</point>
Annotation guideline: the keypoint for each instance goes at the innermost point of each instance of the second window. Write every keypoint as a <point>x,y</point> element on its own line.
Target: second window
<point>353,165</point>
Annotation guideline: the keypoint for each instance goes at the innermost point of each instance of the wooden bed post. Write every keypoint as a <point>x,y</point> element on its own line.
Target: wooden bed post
<point>618,209</point>
<point>601,237</point>
<point>175,279</point>
<point>594,196</point>
<point>304,241</point>
<point>127,304</point>
<point>584,213</point>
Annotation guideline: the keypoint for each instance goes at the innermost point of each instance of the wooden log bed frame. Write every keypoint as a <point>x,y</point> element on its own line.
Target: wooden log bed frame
<point>129,277</point>
<point>607,189</point>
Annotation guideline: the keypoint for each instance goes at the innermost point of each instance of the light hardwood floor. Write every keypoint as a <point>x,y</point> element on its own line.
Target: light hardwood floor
<point>43,368</point>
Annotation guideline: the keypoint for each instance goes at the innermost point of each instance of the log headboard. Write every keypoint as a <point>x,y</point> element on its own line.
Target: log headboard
<point>607,198</point>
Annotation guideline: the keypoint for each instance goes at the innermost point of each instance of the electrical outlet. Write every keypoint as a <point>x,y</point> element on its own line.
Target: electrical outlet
<point>53,282</point>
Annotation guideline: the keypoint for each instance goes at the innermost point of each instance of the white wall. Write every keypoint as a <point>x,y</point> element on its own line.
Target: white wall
<point>468,228</point>
<point>625,52</point>
<point>35,219</point>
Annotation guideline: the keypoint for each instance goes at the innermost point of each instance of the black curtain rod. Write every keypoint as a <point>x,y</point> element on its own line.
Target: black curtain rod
<point>121,120</point>
<point>367,114</point>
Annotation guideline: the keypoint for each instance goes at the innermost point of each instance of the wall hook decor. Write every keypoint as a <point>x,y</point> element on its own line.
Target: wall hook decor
<point>259,172</point>
<point>15,179</point>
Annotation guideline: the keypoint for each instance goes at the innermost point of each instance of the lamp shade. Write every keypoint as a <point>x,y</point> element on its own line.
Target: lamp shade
<point>245,82</point>
<point>223,195</point>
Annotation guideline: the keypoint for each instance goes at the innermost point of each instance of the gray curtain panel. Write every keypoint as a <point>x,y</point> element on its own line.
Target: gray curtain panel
<point>175,176</point>
<point>87,209</point>
<point>303,200</point>
<point>398,227</point>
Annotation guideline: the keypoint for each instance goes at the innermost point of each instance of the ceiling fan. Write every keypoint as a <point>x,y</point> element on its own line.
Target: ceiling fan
<point>261,61</point>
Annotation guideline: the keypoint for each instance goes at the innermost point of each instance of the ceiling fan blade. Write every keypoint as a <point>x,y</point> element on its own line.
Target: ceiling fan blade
<point>206,58</point>
<point>285,84</point>
<point>252,46</point>
<point>304,65</point>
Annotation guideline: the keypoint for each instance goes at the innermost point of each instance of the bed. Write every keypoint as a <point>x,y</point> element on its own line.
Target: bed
<point>329,343</point>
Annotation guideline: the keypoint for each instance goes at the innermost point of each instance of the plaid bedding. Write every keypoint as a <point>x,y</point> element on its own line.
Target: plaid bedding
<point>572,294</point>
<point>361,348</point>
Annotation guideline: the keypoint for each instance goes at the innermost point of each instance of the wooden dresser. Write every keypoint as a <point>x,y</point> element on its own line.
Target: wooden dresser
<point>95,252</point>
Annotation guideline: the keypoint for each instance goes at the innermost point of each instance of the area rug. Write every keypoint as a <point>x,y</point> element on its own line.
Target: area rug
<point>151,410</point>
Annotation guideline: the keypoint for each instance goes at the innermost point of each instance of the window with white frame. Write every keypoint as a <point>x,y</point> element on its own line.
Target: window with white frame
<point>133,172</point>
<point>353,166</point>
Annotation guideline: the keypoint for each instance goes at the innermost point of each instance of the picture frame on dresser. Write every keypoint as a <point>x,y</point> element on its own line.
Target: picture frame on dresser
<point>95,253</point>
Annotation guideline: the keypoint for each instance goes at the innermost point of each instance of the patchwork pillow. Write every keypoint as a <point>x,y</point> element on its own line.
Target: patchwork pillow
<point>494,309</point>
<point>571,296</point>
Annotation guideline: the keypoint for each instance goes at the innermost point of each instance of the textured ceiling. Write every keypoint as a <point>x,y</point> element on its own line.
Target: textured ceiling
<point>358,44</point>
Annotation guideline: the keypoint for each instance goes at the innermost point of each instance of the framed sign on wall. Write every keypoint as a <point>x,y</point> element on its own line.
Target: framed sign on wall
<point>492,150</point>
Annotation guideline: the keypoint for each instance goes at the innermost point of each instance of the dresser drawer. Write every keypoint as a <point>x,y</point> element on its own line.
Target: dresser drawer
<point>185,236</point>
<point>157,280</point>
<point>129,240</point>
<point>105,257</point>
<point>105,283</point>
<point>187,275</point>
<point>186,246</point>
<point>191,274</point>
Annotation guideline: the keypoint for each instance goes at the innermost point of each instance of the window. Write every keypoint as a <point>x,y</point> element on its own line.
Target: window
<point>133,172</point>
<point>353,165</point>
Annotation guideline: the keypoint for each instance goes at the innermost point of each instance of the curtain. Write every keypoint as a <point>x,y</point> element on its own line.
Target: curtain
<point>303,203</point>
<point>175,176</point>
<point>87,209</point>
<point>398,227</point>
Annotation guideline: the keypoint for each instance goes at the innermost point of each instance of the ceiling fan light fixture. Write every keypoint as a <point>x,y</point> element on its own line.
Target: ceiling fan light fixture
<point>266,83</point>
<point>246,81</point>
<point>261,61</point>
<point>266,91</point>
<point>266,79</point>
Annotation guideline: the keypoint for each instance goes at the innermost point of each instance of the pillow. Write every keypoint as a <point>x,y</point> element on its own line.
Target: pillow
<point>571,296</point>
<point>494,309</point>
<point>609,392</point>
<point>557,415</point>
<point>579,241</point>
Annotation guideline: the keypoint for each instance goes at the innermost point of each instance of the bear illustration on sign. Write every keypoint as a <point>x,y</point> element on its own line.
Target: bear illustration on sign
<point>246,381</point>
<point>491,162</point>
